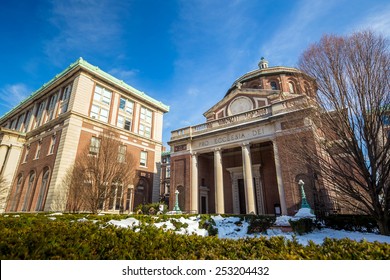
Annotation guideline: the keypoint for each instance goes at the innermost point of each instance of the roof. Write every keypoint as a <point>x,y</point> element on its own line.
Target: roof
<point>263,72</point>
<point>95,70</point>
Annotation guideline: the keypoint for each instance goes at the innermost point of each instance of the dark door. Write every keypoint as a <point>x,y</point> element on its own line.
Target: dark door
<point>203,207</point>
<point>241,196</point>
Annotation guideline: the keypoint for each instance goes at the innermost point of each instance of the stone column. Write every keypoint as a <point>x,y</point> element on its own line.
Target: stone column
<point>282,197</point>
<point>194,184</point>
<point>218,182</point>
<point>248,179</point>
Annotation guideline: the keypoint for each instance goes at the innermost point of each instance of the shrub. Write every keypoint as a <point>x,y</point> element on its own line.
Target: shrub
<point>151,209</point>
<point>260,224</point>
<point>37,237</point>
<point>362,223</point>
<point>207,223</point>
<point>302,226</point>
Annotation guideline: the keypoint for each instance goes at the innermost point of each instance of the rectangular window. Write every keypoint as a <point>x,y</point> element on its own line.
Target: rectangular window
<point>26,153</point>
<point>102,95</point>
<point>101,104</point>
<point>124,122</point>
<point>99,113</point>
<point>38,151</point>
<point>144,130</point>
<point>146,115</point>
<point>143,159</point>
<point>52,144</point>
<point>122,153</point>
<point>94,146</point>
<point>126,106</point>
<point>168,172</point>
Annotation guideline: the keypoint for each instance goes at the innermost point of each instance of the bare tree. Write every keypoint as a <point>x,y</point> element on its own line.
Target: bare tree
<point>103,170</point>
<point>352,75</point>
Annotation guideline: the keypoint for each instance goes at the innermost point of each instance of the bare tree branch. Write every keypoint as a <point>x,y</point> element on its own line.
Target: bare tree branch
<point>100,171</point>
<point>352,75</point>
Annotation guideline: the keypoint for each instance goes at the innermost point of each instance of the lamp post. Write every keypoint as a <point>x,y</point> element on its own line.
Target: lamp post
<point>177,208</point>
<point>303,195</point>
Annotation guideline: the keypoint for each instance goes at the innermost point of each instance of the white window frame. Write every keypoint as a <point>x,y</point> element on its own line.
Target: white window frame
<point>42,191</point>
<point>102,95</point>
<point>143,159</point>
<point>99,113</point>
<point>128,107</point>
<point>52,144</point>
<point>94,146</point>
<point>65,99</point>
<point>146,115</point>
<point>51,107</point>
<point>122,151</point>
<point>27,119</point>
<point>38,151</point>
<point>124,122</point>
<point>145,130</point>
<point>40,112</point>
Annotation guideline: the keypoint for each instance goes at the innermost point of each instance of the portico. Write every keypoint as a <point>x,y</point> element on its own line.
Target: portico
<point>232,174</point>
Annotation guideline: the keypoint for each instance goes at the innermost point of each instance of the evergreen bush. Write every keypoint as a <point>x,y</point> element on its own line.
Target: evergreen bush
<point>260,224</point>
<point>302,226</point>
<point>362,223</point>
<point>36,237</point>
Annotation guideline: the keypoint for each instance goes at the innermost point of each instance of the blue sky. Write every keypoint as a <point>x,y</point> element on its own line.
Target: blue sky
<point>184,53</point>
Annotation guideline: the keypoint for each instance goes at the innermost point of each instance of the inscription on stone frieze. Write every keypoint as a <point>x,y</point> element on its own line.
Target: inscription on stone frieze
<point>232,137</point>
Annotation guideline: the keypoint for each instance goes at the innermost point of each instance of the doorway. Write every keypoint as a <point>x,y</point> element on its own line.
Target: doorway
<point>241,195</point>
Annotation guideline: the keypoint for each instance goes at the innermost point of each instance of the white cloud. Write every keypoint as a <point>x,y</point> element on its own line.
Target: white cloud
<point>84,26</point>
<point>377,19</point>
<point>123,74</point>
<point>297,28</point>
<point>12,95</point>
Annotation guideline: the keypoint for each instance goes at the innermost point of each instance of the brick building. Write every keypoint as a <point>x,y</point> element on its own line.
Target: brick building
<point>41,137</point>
<point>237,161</point>
<point>165,177</point>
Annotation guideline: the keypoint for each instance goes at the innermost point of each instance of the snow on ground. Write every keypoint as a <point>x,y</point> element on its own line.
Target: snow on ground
<point>235,228</point>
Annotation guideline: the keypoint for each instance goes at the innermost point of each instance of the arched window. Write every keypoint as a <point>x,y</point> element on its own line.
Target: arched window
<point>18,191</point>
<point>291,87</point>
<point>116,195</point>
<point>274,85</point>
<point>28,196</point>
<point>43,190</point>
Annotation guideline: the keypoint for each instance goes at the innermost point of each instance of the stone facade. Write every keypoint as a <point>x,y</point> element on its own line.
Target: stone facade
<point>41,137</point>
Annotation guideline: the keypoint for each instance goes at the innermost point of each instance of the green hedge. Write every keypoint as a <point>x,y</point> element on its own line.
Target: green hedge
<point>37,237</point>
<point>302,226</point>
<point>360,223</point>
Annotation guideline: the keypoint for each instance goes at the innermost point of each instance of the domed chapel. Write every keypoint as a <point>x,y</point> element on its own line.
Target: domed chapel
<point>239,160</point>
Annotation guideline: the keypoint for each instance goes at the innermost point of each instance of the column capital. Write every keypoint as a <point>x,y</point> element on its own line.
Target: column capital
<point>194,154</point>
<point>245,144</point>
<point>218,149</point>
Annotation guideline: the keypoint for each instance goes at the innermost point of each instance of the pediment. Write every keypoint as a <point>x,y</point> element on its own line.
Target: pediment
<point>239,101</point>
